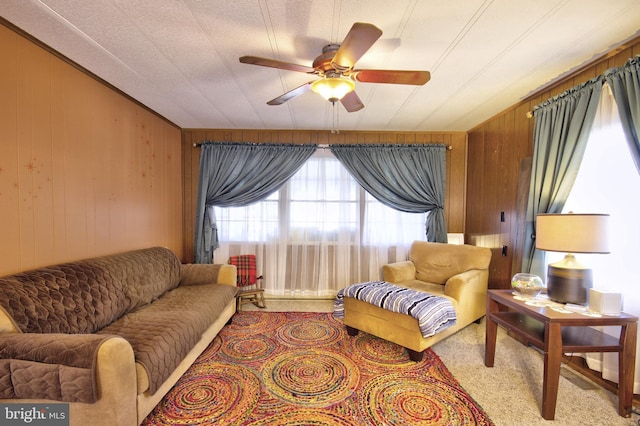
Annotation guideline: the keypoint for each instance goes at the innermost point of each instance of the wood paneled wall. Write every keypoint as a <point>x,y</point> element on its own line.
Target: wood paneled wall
<point>456,162</point>
<point>498,149</point>
<point>84,170</point>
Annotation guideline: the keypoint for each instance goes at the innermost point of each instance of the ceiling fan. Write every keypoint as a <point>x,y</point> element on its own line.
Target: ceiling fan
<point>335,66</point>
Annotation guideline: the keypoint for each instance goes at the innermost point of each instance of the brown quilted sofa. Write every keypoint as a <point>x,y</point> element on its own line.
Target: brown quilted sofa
<point>109,335</point>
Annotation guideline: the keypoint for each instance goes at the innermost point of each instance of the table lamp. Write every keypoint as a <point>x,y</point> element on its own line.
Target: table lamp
<point>568,281</point>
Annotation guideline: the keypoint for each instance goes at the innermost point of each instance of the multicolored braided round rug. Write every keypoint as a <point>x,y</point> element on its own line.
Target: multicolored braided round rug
<point>299,368</point>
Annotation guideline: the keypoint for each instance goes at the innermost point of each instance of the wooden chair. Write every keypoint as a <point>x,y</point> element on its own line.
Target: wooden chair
<point>249,282</point>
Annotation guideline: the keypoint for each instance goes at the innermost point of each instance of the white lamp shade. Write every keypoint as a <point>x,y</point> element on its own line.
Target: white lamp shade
<point>573,233</point>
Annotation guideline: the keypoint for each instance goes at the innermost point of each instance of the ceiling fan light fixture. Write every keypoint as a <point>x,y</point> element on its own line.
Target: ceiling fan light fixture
<point>333,88</point>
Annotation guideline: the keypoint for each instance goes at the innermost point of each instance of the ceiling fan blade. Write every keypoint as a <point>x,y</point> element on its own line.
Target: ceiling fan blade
<point>265,62</point>
<point>351,102</point>
<point>417,78</point>
<point>360,38</point>
<point>291,94</point>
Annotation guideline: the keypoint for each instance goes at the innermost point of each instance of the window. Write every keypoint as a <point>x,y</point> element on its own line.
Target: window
<point>608,182</point>
<point>258,222</point>
<point>319,233</point>
<point>323,201</point>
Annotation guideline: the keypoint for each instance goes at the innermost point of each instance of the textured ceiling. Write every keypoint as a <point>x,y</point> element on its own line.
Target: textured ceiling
<point>180,57</point>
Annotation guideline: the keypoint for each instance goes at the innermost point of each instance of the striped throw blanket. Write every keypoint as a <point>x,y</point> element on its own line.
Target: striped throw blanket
<point>434,313</point>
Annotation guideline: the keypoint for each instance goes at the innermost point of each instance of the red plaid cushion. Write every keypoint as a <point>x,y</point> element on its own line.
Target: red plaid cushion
<point>246,265</point>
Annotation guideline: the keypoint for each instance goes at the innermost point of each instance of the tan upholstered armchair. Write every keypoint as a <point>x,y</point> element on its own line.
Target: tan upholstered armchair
<point>458,272</point>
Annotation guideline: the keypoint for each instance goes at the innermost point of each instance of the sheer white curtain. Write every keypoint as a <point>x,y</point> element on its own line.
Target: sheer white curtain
<point>608,182</point>
<point>319,233</point>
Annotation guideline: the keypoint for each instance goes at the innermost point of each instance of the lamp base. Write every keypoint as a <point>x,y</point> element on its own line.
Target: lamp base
<point>565,285</point>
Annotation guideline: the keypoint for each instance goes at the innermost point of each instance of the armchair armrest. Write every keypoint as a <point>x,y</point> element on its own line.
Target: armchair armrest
<point>196,274</point>
<point>470,290</point>
<point>399,271</point>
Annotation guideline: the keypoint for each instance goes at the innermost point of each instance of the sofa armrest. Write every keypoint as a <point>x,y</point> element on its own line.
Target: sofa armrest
<point>228,275</point>
<point>197,274</point>
<point>470,290</point>
<point>114,375</point>
<point>399,271</point>
<point>7,324</point>
<point>60,367</point>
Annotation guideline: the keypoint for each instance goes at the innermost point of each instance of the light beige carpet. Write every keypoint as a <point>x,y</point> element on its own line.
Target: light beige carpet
<point>511,391</point>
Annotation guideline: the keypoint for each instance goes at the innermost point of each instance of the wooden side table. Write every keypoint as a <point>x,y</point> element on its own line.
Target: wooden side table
<point>556,333</point>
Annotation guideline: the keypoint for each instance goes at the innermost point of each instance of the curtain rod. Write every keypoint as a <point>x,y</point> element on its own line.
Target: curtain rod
<point>328,146</point>
<point>600,79</point>
<point>322,146</point>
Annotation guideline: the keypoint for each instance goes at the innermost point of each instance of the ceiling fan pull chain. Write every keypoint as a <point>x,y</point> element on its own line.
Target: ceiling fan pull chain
<point>335,118</point>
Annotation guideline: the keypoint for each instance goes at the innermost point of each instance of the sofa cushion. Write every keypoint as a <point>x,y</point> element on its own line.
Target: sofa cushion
<point>163,332</point>
<point>146,274</point>
<point>198,274</point>
<point>87,295</point>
